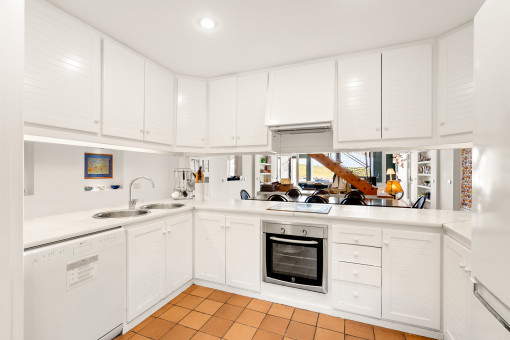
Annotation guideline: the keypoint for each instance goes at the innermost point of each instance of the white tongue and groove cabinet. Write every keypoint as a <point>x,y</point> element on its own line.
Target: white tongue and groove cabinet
<point>237,111</point>
<point>407,92</point>
<point>191,112</point>
<point>227,250</point>
<point>179,251</point>
<point>411,278</point>
<point>62,70</point>
<point>456,82</point>
<point>301,94</point>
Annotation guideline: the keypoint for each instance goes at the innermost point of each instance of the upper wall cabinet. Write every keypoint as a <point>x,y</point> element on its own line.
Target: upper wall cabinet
<point>222,112</point>
<point>407,92</point>
<point>455,88</point>
<point>359,98</point>
<point>302,94</point>
<point>191,112</point>
<point>123,91</point>
<point>159,104</point>
<point>251,109</point>
<point>62,70</point>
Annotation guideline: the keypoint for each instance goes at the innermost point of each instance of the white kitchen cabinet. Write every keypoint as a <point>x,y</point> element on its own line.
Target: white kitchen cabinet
<point>407,92</point>
<point>210,247</point>
<point>159,104</point>
<point>191,112</point>
<point>455,83</point>
<point>123,91</point>
<point>145,267</point>
<point>179,251</point>
<point>411,274</point>
<point>359,98</point>
<point>222,112</point>
<point>251,109</point>
<point>243,253</point>
<point>456,285</point>
<point>62,78</point>
<point>301,94</point>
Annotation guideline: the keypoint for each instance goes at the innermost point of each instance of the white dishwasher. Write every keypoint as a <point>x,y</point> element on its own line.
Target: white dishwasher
<point>75,289</point>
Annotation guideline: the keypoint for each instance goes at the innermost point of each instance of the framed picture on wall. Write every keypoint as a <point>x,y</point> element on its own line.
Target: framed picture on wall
<point>98,165</point>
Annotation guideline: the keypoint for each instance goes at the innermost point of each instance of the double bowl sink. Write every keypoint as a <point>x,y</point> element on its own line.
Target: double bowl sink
<point>143,210</point>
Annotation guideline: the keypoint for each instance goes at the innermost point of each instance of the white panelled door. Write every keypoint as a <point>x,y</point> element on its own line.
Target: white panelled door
<point>123,91</point>
<point>210,247</point>
<point>62,78</point>
<point>243,252</point>
<point>222,112</point>
<point>251,109</point>
<point>456,83</point>
<point>411,281</point>
<point>159,104</point>
<point>407,92</point>
<point>359,98</point>
<point>301,94</point>
<point>145,267</point>
<point>179,252</point>
<point>456,285</point>
<point>191,112</point>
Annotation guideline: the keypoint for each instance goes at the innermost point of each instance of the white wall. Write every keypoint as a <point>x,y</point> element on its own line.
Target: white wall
<point>59,179</point>
<point>219,188</point>
<point>11,169</point>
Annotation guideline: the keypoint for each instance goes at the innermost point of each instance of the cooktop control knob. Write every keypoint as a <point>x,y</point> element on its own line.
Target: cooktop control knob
<point>304,232</point>
<point>282,230</point>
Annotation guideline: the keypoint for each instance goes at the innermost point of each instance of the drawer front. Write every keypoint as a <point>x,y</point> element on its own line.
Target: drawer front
<point>356,254</point>
<point>357,273</point>
<point>362,236</point>
<point>356,298</point>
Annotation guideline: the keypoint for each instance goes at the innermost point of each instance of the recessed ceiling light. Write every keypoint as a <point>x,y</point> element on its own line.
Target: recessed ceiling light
<point>207,23</point>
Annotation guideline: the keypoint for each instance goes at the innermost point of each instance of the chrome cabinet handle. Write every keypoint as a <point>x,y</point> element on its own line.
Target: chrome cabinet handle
<point>292,241</point>
<point>489,307</point>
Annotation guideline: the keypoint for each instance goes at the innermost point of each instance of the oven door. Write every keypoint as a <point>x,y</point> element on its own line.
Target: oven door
<point>295,261</point>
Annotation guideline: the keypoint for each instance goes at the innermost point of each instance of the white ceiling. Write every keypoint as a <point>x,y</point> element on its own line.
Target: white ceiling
<point>254,34</point>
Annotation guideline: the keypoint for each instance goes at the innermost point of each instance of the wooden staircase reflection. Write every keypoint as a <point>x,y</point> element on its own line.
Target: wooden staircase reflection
<point>345,174</point>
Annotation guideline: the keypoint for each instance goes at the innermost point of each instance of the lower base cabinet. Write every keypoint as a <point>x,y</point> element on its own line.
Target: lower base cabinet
<point>227,250</point>
<point>357,298</point>
<point>159,261</point>
<point>456,285</point>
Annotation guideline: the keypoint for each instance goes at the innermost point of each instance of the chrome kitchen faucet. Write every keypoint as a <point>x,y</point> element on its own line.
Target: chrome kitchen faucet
<point>132,202</point>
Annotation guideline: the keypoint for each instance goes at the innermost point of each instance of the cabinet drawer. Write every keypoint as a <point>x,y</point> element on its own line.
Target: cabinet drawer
<point>357,298</point>
<point>356,254</point>
<point>363,236</point>
<point>357,273</point>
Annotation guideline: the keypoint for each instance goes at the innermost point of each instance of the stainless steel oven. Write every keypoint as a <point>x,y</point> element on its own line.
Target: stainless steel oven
<point>295,255</point>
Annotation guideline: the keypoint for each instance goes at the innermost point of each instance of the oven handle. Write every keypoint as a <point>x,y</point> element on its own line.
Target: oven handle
<point>292,241</point>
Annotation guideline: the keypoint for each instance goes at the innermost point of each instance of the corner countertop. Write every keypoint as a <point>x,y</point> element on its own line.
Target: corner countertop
<point>460,230</point>
<point>44,230</point>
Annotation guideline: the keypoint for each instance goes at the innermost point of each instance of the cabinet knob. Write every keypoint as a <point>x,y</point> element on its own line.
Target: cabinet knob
<point>386,243</point>
<point>238,138</point>
<point>442,123</point>
<point>222,226</point>
<point>356,239</point>
<point>356,254</point>
<point>304,232</point>
<point>377,129</point>
<point>386,128</point>
<point>141,131</point>
<point>203,139</point>
<point>467,270</point>
<point>228,226</point>
<point>96,121</point>
<point>282,230</point>
<point>355,273</point>
<point>147,131</point>
<point>355,294</point>
<point>462,265</point>
<point>233,138</point>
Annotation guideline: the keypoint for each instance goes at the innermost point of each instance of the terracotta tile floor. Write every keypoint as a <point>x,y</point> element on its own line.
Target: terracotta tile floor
<point>201,313</point>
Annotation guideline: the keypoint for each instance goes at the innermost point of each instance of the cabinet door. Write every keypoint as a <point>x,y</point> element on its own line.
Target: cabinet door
<point>411,287</point>
<point>146,267</point>
<point>191,109</point>
<point>407,92</point>
<point>456,88</point>
<point>302,94</point>
<point>210,247</point>
<point>179,252</point>
<point>456,290</point>
<point>123,91</point>
<point>222,112</point>
<point>159,105</point>
<point>359,98</point>
<point>243,252</point>
<point>251,109</point>
<point>62,70</point>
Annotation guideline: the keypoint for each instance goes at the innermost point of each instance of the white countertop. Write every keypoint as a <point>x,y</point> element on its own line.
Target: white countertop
<point>54,228</point>
<point>460,230</point>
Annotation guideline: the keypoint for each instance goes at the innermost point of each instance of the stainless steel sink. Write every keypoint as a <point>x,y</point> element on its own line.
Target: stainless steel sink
<point>162,206</point>
<point>121,213</point>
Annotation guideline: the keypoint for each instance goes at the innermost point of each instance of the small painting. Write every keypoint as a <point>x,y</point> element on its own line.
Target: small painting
<point>98,165</point>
